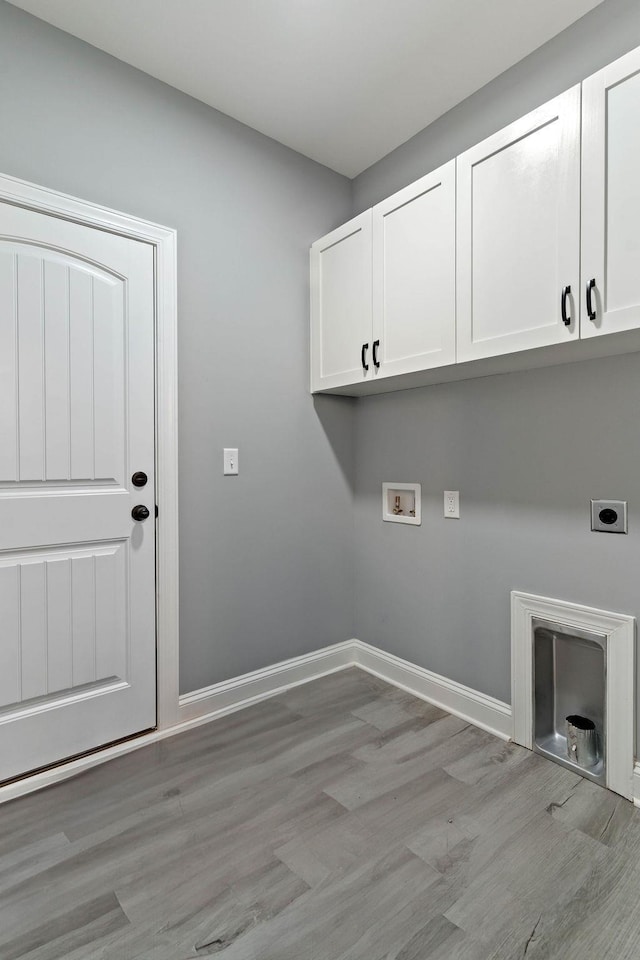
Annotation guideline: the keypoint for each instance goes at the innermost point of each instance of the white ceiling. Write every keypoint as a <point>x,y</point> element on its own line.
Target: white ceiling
<point>341,81</point>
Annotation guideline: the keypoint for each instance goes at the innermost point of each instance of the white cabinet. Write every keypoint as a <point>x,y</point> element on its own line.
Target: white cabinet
<point>611,198</point>
<point>414,276</point>
<point>341,305</point>
<point>518,237</point>
<point>383,288</point>
<point>529,240</point>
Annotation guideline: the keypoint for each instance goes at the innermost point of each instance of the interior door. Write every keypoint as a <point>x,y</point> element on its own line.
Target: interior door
<point>611,198</point>
<point>341,346</point>
<point>518,237</point>
<point>414,275</point>
<point>77,571</point>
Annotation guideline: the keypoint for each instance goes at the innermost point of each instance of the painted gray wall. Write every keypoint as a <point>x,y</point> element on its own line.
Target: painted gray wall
<point>607,32</point>
<point>526,451</point>
<point>266,558</point>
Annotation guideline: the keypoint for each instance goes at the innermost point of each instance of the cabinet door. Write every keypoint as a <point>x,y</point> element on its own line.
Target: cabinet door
<point>611,198</point>
<point>341,305</point>
<point>518,243</point>
<point>414,275</point>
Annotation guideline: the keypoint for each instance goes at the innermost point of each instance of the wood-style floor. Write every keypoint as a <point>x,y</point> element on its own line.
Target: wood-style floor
<point>343,820</point>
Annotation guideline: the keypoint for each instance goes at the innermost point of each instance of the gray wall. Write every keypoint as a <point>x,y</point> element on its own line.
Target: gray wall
<point>527,451</point>
<point>266,558</point>
<point>607,32</point>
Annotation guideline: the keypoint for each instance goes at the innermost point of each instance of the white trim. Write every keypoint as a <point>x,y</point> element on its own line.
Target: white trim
<point>220,699</point>
<point>239,692</point>
<point>636,784</point>
<point>163,240</point>
<point>471,705</point>
<point>464,702</point>
<point>619,631</point>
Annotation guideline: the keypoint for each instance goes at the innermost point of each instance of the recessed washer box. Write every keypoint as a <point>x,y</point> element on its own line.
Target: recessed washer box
<point>401,503</point>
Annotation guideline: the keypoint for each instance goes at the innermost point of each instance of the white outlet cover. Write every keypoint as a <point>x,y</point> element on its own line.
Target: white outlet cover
<point>452,504</point>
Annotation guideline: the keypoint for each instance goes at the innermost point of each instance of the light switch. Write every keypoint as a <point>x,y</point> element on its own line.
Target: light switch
<point>230,461</point>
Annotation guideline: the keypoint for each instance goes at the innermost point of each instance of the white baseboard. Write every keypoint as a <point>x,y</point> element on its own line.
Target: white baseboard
<point>636,784</point>
<point>464,702</point>
<point>230,695</point>
<point>226,697</point>
<point>222,698</point>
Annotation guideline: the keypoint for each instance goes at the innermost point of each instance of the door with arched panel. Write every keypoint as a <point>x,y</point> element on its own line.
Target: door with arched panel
<point>77,571</point>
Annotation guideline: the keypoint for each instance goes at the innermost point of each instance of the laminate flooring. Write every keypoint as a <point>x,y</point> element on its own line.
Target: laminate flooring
<point>342,820</point>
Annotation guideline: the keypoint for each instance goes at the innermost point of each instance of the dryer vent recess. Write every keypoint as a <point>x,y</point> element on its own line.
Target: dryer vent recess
<point>402,503</point>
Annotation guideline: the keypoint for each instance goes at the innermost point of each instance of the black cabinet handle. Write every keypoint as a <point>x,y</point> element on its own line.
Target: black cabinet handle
<point>563,306</point>
<point>363,356</point>
<point>376,362</point>
<point>590,310</point>
<point>140,512</point>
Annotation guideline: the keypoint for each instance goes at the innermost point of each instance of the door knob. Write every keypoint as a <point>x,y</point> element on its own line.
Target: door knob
<point>140,512</point>
<point>139,479</point>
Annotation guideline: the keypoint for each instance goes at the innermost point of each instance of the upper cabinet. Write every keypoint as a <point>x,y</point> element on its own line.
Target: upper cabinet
<point>519,234</point>
<point>341,305</point>
<point>611,198</point>
<point>519,253</point>
<point>401,317</point>
<point>414,257</point>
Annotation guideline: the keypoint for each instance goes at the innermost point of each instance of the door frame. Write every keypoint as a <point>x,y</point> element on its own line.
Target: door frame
<point>163,240</point>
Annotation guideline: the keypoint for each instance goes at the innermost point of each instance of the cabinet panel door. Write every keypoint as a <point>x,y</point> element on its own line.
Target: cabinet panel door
<point>518,243</point>
<point>341,305</point>
<point>611,197</point>
<point>414,275</point>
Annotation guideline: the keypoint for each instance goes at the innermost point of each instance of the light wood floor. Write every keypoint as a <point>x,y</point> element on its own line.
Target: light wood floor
<point>343,820</point>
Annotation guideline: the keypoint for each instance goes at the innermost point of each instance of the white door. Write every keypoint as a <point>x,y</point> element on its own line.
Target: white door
<point>77,577</point>
<point>519,234</point>
<point>341,305</point>
<point>611,198</point>
<point>414,275</point>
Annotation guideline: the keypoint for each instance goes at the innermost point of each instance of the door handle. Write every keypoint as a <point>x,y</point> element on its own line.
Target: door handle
<point>563,306</point>
<point>139,479</point>
<point>590,310</point>
<point>376,362</point>
<point>363,356</point>
<point>140,512</point>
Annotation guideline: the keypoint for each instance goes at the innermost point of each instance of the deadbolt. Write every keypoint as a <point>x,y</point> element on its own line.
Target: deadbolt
<point>140,512</point>
<point>139,479</point>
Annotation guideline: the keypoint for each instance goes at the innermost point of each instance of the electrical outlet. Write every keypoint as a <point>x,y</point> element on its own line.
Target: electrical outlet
<point>609,516</point>
<point>452,504</point>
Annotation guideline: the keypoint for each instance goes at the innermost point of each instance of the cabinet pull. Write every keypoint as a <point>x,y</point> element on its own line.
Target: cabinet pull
<point>590,310</point>
<point>363,356</point>
<point>563,306</point>
<point>376,362</point>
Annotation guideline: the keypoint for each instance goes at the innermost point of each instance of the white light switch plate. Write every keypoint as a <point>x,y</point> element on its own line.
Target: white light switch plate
<point>452,504</point>
<point>230,461</point>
